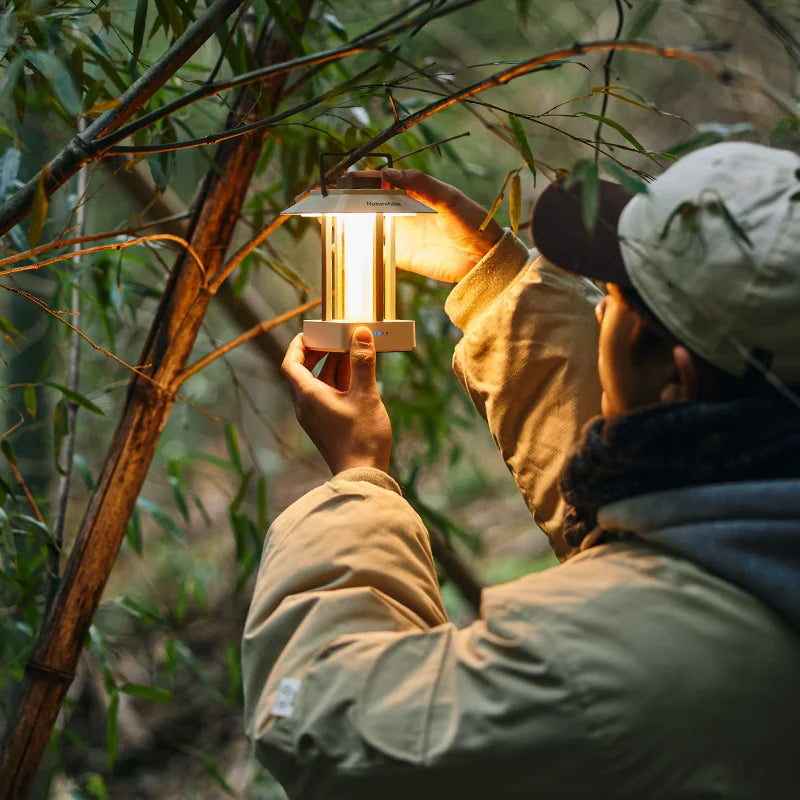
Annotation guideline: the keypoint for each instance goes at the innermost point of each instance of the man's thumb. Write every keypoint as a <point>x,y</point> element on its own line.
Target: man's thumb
<point>362,359</point>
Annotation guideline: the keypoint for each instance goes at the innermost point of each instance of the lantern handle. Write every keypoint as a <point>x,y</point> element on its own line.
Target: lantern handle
<point>323,156</point>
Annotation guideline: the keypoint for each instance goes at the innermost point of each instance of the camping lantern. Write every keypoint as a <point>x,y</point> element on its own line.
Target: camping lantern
<point>358,272</point>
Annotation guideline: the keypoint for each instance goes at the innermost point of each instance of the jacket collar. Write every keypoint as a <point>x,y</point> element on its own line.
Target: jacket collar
<point>746,532</point>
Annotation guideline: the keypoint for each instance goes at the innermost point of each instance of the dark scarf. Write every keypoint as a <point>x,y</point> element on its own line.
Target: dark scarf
<point>676,446</point>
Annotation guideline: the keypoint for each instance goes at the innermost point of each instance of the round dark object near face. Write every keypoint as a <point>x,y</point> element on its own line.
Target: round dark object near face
<point>561,237</point>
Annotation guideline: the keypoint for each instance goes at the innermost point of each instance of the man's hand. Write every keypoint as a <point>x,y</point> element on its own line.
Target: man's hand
<point>447,245</point>
<point>341,410</point>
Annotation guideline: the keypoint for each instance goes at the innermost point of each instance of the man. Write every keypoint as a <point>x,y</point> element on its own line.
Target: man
<point>662,660</point>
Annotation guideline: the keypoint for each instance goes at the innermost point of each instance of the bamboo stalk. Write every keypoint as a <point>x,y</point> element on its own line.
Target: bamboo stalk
<point>51,666</point>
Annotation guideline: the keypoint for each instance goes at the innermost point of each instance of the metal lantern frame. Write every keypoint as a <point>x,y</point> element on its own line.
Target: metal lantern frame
<point>355,209</point>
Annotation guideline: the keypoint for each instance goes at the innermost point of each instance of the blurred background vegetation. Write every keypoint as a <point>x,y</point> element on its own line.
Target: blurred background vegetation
<point>154,711</point>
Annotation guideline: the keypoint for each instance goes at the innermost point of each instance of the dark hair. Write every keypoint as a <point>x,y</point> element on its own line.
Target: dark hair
<point>715,383</point>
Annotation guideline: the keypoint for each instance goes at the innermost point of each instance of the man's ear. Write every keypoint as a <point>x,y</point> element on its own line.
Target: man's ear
<point>686,381</point>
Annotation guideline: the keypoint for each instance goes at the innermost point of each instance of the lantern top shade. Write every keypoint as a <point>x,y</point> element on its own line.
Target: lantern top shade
<point>358,201</point>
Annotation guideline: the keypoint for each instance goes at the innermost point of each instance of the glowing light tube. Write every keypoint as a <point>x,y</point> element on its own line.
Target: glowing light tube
<point>358,245</point>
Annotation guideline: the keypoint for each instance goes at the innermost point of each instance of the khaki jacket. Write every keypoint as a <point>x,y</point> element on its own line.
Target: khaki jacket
<point>626,672</point>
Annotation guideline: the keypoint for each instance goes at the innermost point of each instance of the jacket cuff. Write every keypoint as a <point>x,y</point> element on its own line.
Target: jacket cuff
<point>488,279</point>
<point>371,475</point>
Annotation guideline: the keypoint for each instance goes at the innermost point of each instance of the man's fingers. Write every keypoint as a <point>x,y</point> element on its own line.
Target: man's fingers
<point>421,186</point>
<point>298,363</point>
<point>362,361</point>
<point>330,369</point>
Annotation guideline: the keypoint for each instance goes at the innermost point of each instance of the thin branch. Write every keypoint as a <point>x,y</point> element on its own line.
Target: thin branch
<point>607,78</point>
<point>59,316</point>
<point>15,469</point>
<point>523,68</point>
<point>228,39</point>
<point>358,45</point>
<point>429,146</point>
<point>24,486</point>
<point>230,265</point>
<point>263,327</point>
<point>152,237</point>
<point>232,133</point>
<point>68,443</point>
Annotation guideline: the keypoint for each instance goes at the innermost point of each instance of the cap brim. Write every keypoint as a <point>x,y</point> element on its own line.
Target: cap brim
<point>561,237</point>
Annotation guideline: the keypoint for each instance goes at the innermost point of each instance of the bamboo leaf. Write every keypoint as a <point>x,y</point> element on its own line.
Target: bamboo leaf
<point>8,452</point>
<point>624,132</point>
<point>585,174</point>
<point>139,611</point>
<point>515,203</point>
<point>214,771</point>
<point>60,429</point>
<point>133,533</point>
<point>38,210</point>
<point>633,184</point>
<point>60,79</point>
<point>719,207</point>
<point>642,17</point>
<point>175,478</point>
<point>30,400</point>
<point>233,448</point>
<point>77,65</point>
<point>522,142</point>
<point>112,730</point>
<point>144,692</point>
<point>9,331</point>
<point>103,105</point>
<point>79,462</point>
<point>278,12</point>
<point>164,520</point>
<point>7,534</point>
<point>76,397</point>
<point>499,199</point>
<point>261,503</point>
<point>590,197</point>
<point>138,29</point>
<point>236,503</point>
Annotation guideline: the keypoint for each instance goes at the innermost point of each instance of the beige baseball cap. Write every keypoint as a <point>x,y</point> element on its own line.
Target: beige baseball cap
<point>712,247</point>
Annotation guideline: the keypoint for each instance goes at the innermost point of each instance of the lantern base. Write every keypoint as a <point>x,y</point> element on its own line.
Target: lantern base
<point>333,336</point>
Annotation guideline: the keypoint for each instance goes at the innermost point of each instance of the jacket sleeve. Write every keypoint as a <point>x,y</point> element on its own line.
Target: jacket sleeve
<point>528,359</point>
<point>354,679</point>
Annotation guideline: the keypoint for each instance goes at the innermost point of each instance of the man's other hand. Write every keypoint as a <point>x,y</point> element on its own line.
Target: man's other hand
<point>444,246</point>
<point>447,245</point>
<point>341,410</point>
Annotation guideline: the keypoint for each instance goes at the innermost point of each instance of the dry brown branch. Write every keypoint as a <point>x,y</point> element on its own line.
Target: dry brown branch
<point>245,311</point>
<point>18,475</point>
<point>244,251</point>
<point>256,330</point>
<point>152,237</point>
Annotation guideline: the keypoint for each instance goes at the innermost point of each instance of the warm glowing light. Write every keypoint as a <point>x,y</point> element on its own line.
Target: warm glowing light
<point>358,242</point>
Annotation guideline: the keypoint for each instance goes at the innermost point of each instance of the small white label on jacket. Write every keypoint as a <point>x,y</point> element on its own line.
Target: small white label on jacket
<point>288,689</point>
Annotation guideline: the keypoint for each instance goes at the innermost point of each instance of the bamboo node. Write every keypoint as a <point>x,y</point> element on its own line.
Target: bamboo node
<point>51,673</point>
<point>87,148</point>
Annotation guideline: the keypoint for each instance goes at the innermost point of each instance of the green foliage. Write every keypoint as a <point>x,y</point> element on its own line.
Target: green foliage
<point>195,536</point>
